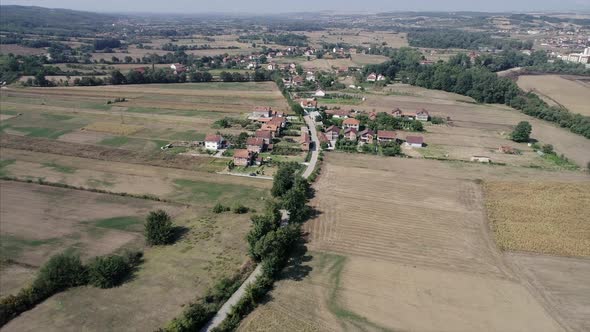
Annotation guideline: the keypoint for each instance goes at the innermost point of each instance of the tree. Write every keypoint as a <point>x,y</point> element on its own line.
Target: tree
<point>159,229</point>
<point>117,78</point>
<point>522,132</point>
<point>283,179</point>
<point>109,271</point>
<point>61,272</point>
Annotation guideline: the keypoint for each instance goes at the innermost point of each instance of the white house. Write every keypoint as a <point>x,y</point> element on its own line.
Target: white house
<point>372,77</point>
<point>380,78</point>
<point>320,93</point>
<point>414,141</point>
<point>422,115</point>
<point>213,142</point>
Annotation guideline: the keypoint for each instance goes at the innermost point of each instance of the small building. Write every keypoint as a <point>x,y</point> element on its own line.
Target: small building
<point>481,159</point>
<point>320,93</point>
<point>351,123</point>
<point>298,81</point>
<point>178,68</point>
<point>422,115</point>
<point>255,144</point>
<point>381,77</point>
<point>272,128</point>
<point>281,122</point>
<point>339,114</point>
<point>262,112</point>
<point>332,133</point>
<point>397,113</point>
<point>309,104</point>
<point>214,142</point>
<point>243,157</point>
<point>372,77</point>
<point>305,141</point>
<point>506,149</point>
<point>266,135</point>
<point>350,134</point>
<point>366,136</point>
<point>384,136</point>
<point>414,141</point>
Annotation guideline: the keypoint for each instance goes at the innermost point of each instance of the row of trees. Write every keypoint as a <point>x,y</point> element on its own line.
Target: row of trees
<point>463,39</point>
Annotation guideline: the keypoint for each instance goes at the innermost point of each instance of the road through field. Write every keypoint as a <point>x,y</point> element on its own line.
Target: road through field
<point>316,146</point>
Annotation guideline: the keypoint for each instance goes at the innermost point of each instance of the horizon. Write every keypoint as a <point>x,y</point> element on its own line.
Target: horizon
<point>581,7</point>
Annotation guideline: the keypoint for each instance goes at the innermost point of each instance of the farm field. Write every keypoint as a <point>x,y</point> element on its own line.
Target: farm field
<point>20,50</point>
<point>72,137</point>
<point>569,91</point>
<point>151,116</point>
<point>547,218</point>
<point>384,253</point>
<point>475,129</point>
<point>357,37</point>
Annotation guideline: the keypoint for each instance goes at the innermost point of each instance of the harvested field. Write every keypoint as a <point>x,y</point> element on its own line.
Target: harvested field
<point>566,91</point>
<point>358,37</point>
<point>404,245</point>
<point>548,218</point>
<point>563,283</point>
<point>20,50</point>
<point>55,219</point>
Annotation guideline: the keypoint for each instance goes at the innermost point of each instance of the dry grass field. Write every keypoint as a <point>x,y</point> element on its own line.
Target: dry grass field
<point>357,37</point>
<point>475,129</point>
<point>567,91</point>
<point>404,245</point>
<point>20,50</point>
<point>544,217</point>
<point>71,136</point>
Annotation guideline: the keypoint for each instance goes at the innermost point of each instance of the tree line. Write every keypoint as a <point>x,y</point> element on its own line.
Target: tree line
<point>460,76</point>
<point>463,39</point>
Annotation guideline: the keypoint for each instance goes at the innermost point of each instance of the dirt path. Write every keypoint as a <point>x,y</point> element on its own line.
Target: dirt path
<point>316,142</point>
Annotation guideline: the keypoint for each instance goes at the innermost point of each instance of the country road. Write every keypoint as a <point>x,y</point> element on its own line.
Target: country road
<point>237,295</point>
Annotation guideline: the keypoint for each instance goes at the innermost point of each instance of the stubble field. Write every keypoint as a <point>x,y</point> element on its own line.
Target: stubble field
<point>569,91</point>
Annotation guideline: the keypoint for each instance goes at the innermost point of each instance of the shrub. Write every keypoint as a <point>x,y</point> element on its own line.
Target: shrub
<point>62,271</point>
<point>193,318</point>
<point>547,148</point>
<point>219,208</point>
<point>158,228</point>
<point>240,209</point>
<point>522,132</point>
<point>109,271</point>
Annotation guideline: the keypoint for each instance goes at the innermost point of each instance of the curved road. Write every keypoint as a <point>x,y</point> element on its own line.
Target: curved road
<point>237,295</point>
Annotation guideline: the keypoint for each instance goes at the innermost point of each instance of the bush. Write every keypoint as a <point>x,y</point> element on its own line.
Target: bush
<point>61,272</point>
<point>109,271</point>
<point>240,209</point>
<point>547,149</point>
<point>159,229</point>
<point>193,318</point>
<point>219,208</point>
<point>522,132</point>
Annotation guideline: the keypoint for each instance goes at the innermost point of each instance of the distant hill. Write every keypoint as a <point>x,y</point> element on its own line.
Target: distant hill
<point>52,21</point>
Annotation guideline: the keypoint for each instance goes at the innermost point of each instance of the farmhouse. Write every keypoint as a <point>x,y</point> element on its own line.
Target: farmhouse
<point>366,136</point>
<point>350,134</point>
<point>178,68</point>
<point>414,141</point>
<point>262,112</point>
<point>266,135</point>
<point>271,127</point>
<point>332,133</point>
<point>339,114</point>
<point>278,121</point>
<point>305,141</point>
<point>351,123</point>
<point>255,144</point>
<point>214,142</point>
<point>397,113</point>
<point>380,78</point>
<point>243,157</point>
<point>422,115</point>
<point>372,77</point>
<point>386,136</point>
<point>298,81</point>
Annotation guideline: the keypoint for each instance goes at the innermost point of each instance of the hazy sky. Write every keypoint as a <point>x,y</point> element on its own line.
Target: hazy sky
<point>282,6</point>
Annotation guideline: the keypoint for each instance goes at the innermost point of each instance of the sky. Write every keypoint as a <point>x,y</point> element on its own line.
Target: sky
<point>282,6</point>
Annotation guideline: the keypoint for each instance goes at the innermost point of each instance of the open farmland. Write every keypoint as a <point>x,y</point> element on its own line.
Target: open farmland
<point>475,129</point>
<point>570,92</point>
<point>72,137</point>
<point>20,50</point>
<point>357,37</point>
<point>548,218</point>
<point>404,245</point>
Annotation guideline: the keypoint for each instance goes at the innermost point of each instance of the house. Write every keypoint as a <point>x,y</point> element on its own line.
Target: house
<point>214,142</point>
<point>320,93</point>
<point>372,77</point>
<point>271,66</point>
<point>332,133</point>
<point>322,138</point>
<point>481,159</point>
<point>266,135</point>
<point>386,136</point>
<point>262,112</point>
<point>350,134</point>
<point>243,157</point>
<point>255,144</point>
<point>140,70</point>
<point>397,113</point>
<point>414,141</point>
<point>309,104</point>
<point>422,115</point>
<point>271,127</point>
<point>381,78</point>
<point>305,141</point>
<point>178,68</point>
<point>310,76</point>
<point>366,136</point>
<point>281,122</point>
<point>298,81</point>
<point>351,123</point>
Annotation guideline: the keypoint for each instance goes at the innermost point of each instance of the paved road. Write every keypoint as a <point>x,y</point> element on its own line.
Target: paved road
<point>315,152</point>
<point>227,306</point>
